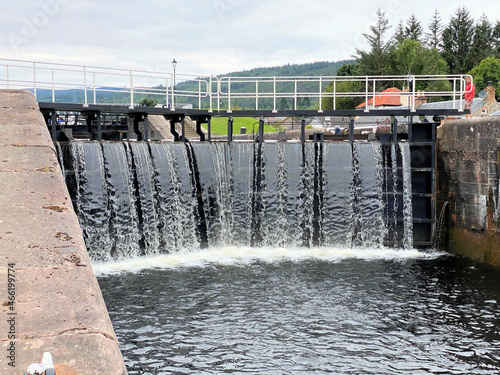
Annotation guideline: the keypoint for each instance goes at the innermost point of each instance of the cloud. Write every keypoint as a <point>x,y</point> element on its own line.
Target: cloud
<point>206,37</point>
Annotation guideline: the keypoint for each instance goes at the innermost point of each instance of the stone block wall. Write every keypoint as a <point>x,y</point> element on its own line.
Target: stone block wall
<point>468,157</point>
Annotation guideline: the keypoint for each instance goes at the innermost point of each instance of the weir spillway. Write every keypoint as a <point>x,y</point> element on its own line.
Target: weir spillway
<point>138,198</point>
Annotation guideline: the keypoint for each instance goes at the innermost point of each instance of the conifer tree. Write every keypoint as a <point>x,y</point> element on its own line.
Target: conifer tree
<point>399,33</point>
<point>433,38</point>
<point>496,39</point>
<point>373,61</point>
<point>457,41</point>
<point>413,29</point>
<point>482,46</point>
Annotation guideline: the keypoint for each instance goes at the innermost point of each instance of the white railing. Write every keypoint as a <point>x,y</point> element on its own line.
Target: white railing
<point>86,84</point>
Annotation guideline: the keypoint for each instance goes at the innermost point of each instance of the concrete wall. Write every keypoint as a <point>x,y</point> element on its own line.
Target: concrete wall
<point>58,304</point>
<point>468,157</point>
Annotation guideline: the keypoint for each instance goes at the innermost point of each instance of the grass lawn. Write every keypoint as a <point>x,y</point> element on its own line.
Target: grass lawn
<point>219,125</point>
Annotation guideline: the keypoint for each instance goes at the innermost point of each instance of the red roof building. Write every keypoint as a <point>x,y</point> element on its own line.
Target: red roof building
<point>390,97</point>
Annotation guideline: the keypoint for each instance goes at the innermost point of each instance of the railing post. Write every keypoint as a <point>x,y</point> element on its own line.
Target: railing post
<point>166,92</point>
<point>320,95</point>
<point>86,103</point>
<point>172,101</point>
<point>7,76</point>
<point>93,82</point>
<point>462,90</point>
<point>34,78</point>
<point>256,95</point>
<point>334,96</point>
<point>199,94</point>
<point>374,92</point>
<point>229,110</point>
<point>211,99</point>
<point>131,91</point>
<point>455,91</point>
<point>274,95</point>
<point>413,97</point>
<point>366,94</point>
<point>146,128</point>
<point>218,94</point>
<point>295,96</point>
<point>53,93</point>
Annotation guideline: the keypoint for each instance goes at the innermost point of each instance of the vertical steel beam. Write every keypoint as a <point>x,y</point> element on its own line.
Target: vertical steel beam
<point>261,130</point>
<point>99,127</point>
<point>146,128</point>
<point>351,131</point>
<point>230,122</point>
<point>394,125</point>
<point>209,126</point>
<point>303,131</point>
<point>183,129</point>
<point>198,129</point>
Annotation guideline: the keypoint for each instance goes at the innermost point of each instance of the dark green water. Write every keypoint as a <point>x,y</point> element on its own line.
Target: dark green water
<point>413,315</point>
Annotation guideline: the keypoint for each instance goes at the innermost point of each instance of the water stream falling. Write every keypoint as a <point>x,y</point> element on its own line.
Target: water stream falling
<point>146,199</point>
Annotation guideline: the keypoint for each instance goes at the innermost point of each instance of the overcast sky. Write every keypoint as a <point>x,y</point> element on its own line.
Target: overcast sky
<point>205,36</point>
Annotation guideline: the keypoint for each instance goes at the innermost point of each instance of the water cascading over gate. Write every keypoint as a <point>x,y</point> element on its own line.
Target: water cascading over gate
<point>137,198</point>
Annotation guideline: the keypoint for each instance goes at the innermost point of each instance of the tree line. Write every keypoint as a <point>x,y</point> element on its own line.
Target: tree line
<point>462,46</point>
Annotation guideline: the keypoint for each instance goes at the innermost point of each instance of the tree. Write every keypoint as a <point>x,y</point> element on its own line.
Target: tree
<point>433,38</point>
<point>349,102</point>
<point>399,33</point>
<point>457,41</point>
<point>413,29</point>
<point>349,70</point>
<point>482,46</point>
<point>374,61</point>
<point>410,57</point>
<point>283,105</point>
<point>148,102</point>
<point>487,70</point>
<point>495,34</point>
<point>304,103</point>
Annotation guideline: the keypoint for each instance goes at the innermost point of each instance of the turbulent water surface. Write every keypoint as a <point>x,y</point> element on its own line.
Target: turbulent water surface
<point>304,311</point>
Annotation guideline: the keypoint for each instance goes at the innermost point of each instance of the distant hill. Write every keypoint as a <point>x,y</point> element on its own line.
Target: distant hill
<point>324,68</point>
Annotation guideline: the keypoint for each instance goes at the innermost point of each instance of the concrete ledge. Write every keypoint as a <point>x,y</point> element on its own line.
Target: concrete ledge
<point>59,306</point>
<point>484,247</point>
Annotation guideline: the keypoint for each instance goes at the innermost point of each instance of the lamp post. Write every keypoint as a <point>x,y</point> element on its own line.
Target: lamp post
<point>174,64</point>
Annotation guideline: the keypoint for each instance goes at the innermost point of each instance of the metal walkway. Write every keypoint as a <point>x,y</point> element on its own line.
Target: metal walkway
<point>215,95</point>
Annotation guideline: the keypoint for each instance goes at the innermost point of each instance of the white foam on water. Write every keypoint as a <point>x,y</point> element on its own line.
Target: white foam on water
<point>246,255</point>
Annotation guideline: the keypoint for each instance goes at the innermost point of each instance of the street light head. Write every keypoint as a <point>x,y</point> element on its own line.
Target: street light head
<point>174,63</point>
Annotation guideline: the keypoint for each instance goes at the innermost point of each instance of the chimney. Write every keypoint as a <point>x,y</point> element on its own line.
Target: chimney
<point>490,97</point>
<point>420,99</point>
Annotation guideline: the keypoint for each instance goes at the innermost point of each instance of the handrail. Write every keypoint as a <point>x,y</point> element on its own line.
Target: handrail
<point>89,80</point>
